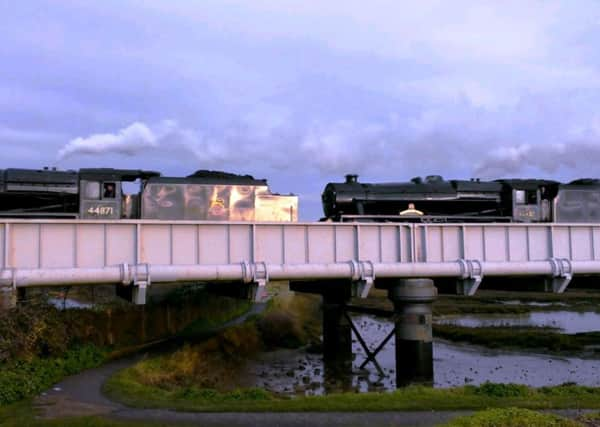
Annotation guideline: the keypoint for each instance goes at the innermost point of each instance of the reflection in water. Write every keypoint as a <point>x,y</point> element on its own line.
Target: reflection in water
<point>568,322</point>
<point>296,372</point>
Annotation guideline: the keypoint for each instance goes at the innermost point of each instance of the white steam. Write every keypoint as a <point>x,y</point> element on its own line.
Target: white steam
<point>336,147</point>
<point>344,146</point>
<point>129,141</point>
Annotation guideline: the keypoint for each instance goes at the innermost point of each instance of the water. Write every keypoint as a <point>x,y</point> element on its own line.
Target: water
<point>65,304</point>
<point>532,303</point>
<point>567,322</point>
<point>296,372</point>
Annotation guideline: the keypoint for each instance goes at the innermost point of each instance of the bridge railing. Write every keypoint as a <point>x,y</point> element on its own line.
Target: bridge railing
<point>49,252</point>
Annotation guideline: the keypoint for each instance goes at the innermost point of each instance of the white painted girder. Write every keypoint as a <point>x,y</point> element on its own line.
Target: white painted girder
<point>50,252</point>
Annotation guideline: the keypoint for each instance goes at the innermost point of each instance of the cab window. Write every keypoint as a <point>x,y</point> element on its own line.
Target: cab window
<point>109,190</point>
<point>92,190</point>
<point>526,197</point>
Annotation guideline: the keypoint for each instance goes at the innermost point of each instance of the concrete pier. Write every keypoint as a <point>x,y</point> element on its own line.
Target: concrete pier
<point>337,332</point>
<point>412,300</point>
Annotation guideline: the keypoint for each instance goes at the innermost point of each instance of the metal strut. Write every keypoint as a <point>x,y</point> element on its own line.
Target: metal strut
<point>257,276</point>
<point>363,277</point>
<point>141,281</point>
<point>562,273</point>
<point>371,355</point>
<point>471,276</point>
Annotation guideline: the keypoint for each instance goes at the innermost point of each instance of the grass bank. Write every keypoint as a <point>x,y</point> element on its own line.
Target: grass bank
<point>21,414</point>
<point>125,387</point>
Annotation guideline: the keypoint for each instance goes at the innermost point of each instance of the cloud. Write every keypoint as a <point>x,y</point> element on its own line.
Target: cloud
<point>575,156</point>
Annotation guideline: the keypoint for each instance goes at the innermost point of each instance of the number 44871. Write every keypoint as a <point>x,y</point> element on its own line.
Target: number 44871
<point>100,210</point>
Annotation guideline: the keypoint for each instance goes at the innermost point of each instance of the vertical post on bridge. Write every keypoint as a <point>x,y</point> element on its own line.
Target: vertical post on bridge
<point>8,297</point>
<point>412,300</point>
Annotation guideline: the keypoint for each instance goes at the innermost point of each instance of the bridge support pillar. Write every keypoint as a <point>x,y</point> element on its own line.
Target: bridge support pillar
<point>412,300</point>
<point>337,331</point>
<point>8,297</point>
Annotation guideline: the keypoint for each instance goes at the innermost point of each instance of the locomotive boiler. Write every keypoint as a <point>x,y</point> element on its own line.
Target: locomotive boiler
<point>434,199</point>
<point>101,194</point>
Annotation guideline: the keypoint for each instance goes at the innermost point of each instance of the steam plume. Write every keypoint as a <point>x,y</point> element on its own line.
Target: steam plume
<point>130,140</point>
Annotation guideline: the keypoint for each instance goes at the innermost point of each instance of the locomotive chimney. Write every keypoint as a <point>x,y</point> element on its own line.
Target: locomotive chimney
<point>351,179</point>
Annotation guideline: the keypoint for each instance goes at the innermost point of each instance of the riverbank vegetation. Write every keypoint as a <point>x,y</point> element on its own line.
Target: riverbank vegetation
<point>288,322</point>
<point>40,344</point>
<point>498,302</point>
<point>201,377</point>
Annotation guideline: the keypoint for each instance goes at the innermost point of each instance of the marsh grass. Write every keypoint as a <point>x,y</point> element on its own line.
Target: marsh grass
<point>494,302</point>
<point>511,337</point>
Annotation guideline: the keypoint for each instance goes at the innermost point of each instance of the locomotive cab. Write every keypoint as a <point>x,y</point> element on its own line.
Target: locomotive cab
<point>529,199</point>
<point>102,196</point>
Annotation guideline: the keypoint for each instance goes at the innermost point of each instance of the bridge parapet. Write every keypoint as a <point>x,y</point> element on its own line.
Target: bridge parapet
<point>53,252</point>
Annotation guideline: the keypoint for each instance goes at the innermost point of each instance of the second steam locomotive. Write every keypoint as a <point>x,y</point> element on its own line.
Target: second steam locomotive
<point>434,199</point>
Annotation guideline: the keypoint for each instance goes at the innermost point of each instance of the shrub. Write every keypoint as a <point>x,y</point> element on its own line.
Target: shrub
<point>502,390</point>
<point>511,417</point>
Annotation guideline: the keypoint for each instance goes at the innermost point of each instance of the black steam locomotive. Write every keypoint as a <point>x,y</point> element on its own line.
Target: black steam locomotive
<point>101,194</point>
<point>434,199</point>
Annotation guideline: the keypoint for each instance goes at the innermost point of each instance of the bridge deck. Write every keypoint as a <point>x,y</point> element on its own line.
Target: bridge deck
<point>47,252</point>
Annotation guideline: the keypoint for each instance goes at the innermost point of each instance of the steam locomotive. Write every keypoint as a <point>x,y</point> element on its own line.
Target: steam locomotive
<point>434,199</point>
<point>100,194</point>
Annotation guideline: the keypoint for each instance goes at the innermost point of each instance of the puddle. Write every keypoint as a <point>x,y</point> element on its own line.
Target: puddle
<point>568,322</point>
<point>65,304</point>
<point>294,372</point>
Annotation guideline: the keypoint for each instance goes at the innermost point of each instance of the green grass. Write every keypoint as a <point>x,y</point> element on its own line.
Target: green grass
<point>592,418</point>
<point>124,387</point>
<point>23,415</point>
<point>512,417</point>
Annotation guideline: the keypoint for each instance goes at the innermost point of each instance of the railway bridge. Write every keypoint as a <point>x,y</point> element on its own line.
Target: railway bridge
<point>335,260</point>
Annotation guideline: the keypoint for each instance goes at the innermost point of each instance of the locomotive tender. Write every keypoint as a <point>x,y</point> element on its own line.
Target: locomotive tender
<point>434,199</point>
<point>99,194</point>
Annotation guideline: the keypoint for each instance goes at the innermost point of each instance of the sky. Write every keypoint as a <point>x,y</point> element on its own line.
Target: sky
<point>302,93</point>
